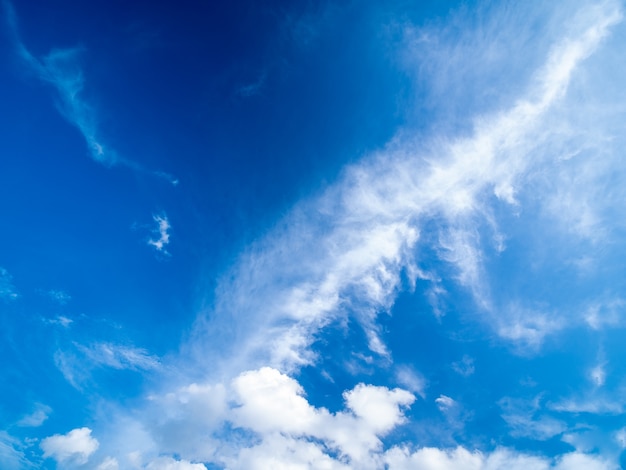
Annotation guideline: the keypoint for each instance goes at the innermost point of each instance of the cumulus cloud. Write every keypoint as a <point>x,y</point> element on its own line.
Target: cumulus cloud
<point>271,402</point>
<point>75,447</point>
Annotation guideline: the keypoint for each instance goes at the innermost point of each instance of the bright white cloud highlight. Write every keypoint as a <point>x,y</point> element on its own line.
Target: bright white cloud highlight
<point>76,446</point>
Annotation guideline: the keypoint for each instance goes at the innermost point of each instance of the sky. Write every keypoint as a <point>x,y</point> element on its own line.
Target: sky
<point>312,235</point>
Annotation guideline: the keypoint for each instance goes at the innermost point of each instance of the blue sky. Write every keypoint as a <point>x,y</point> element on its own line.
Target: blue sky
<point>326,235</point>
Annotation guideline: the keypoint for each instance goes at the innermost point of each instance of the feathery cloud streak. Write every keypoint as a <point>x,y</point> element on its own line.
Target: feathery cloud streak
<point>61,68</point>
<point>344,252</point>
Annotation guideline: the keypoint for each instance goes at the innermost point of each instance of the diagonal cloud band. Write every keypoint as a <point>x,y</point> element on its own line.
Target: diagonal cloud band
<point>344,252</point>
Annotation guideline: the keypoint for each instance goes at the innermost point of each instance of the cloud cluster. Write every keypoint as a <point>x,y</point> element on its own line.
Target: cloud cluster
<point>272,425</point>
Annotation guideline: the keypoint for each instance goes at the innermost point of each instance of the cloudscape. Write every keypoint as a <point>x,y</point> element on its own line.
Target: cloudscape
<point>313,235</point>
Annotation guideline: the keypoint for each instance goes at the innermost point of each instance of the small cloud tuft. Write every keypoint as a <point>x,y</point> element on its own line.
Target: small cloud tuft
<point>162,232</point>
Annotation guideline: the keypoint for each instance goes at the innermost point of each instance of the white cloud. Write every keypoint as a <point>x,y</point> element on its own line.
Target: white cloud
<point>592,403</point>
<point>78,363</point>
<point>76,446</point>
<point>463,459</point>
<point>445,403</point>
<point>37,417</point>
<point>620,437</point>
<point>465,366</point>
<point>282,452</point>
<point>604,313</point>
<point>271,402</point>
<point>526,419</point>
<point>411,380</point>
<point>108,463</point>
<point>119,356</point>
<point>597,374</point>
<point>526,328</point>
<point>168,463</point>
<point>343,253</point>
<point>7,289</point>
<point>62,69</point>
<point>12,455</point>
<point>59,296</point>
<point>162,231</point>
<point>61,320</point>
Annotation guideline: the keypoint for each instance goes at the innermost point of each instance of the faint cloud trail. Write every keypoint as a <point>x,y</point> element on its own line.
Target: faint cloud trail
<point>61,69</point>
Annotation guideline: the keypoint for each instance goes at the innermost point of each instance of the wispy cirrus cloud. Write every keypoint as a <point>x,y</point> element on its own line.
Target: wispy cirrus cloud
<point>343,252</point>
<point>7,289</point>
<point>77,363</point>
<point>62,69</point>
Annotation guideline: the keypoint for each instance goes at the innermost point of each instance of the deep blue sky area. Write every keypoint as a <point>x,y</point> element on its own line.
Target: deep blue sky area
<point>338,234</point>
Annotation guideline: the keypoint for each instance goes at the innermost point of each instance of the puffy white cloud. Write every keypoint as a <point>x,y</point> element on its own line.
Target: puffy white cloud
<point>271,402</point>
<point>76,446</point>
